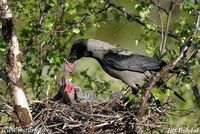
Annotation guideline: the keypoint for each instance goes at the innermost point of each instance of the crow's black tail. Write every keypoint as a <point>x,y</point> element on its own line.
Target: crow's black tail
<point>175,93</point>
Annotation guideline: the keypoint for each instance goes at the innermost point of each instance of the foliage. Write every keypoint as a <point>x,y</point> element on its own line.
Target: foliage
<point>52,24</point>
<point>96,85</point>
<point>46,29</point>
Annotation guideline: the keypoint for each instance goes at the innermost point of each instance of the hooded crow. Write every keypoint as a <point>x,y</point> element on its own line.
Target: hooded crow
<point>119,63</point>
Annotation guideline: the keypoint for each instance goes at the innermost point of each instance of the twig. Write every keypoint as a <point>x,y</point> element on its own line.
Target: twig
<point>58,124</point>
<point>35,101</point>
<point>165,31</point>
<point>181,113</point>
<point>161,23</point>
<point>105,7</point>
<point>41,112</point>
<point>104,124</point>
<point>61,131</point>
<point>84,19</point>
<point>192,55</point>
<point>74,126</point>
<point>45,128</point>
<point>106,116</point>
<point>3,98</point>
<point>5,108</point>
<point>159,7</point>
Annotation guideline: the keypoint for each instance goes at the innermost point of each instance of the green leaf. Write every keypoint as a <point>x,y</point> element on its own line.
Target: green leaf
<point>116,16</point>
<point>76,30</point>
<point>136,42</point>
<point>52,3</point>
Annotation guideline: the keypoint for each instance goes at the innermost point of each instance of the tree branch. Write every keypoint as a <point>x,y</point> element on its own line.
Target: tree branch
<point>196,90</point>
<point>159,7</point>
<point>83,20</point>
<point>167,68</point>
<point>164,35</point>
<point>138,19</point>
<point>38,28</point>
<point>161,22</point>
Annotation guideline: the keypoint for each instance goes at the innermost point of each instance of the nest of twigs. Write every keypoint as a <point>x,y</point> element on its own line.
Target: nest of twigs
<point>101,117</point>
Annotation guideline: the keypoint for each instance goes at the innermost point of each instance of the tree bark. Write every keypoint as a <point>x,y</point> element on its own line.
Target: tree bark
<point>13,65</point>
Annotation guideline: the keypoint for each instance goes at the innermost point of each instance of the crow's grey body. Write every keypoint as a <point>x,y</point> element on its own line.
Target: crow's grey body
<point>119,63</point>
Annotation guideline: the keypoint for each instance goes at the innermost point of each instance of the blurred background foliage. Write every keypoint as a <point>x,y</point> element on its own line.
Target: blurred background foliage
<point>47,28</point>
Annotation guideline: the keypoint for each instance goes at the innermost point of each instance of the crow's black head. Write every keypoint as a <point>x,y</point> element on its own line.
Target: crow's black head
<point>78,50</point>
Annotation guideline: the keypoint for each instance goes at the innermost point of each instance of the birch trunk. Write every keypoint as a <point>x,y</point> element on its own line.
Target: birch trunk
<point>14,66</point>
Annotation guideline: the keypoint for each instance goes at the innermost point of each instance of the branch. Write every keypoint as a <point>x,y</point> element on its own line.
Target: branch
<point>13,65</point>
<point>164,32</point>
<point>56,26</point>
<point>138,19</point>
<point>167,68</point>
<point>159,7</point>
<point>196,91</point>
<point>38,28</point>
<point>161,23</point>
<point>83,20</point>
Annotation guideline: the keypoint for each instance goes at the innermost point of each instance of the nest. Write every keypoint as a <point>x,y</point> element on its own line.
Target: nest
<point>94,117</point>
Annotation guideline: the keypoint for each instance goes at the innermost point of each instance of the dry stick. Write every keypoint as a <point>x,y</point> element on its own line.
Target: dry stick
<point>60,131</point>
<point>13,66</point>
<point>165,31</point>
<point>138,19</point>
<point>104,124</point>
<point>166,69</point>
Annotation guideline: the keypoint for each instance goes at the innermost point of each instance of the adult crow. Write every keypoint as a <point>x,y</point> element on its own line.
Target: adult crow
<point>119,63</point>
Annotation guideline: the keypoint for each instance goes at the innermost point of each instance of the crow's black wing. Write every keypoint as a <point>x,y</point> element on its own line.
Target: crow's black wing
<point>132,62</point>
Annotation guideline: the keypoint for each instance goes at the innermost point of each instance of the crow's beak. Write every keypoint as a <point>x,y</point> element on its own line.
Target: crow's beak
<point>69,66</point>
